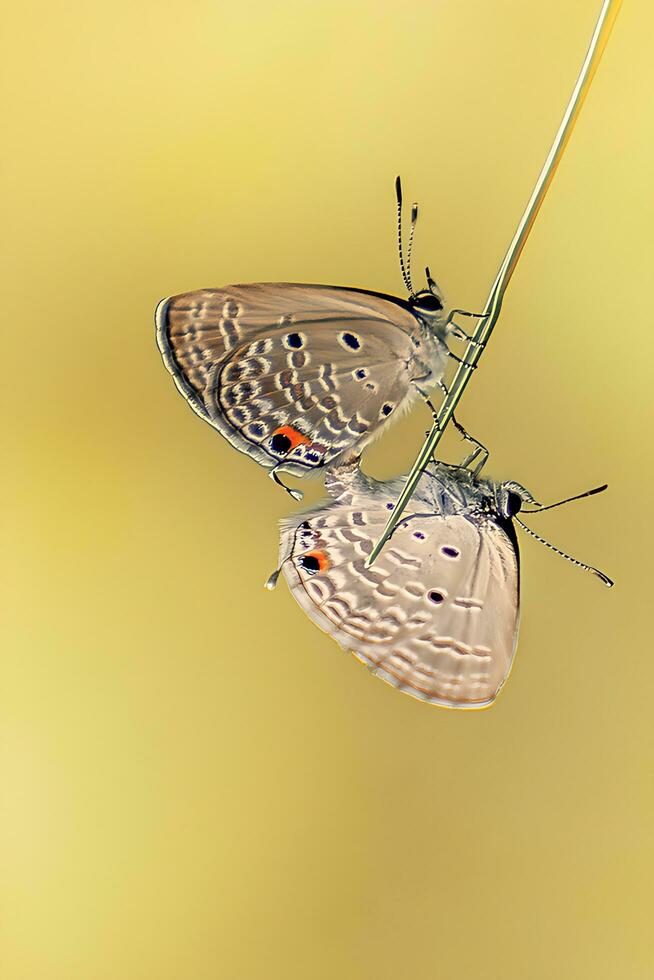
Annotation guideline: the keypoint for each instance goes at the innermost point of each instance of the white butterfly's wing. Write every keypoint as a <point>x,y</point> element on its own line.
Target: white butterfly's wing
<point>291,374</point>
<point>436,615</point>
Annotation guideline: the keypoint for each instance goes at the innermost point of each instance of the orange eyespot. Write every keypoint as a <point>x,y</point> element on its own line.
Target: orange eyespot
<point>286,438</point>
<point>314,561</point>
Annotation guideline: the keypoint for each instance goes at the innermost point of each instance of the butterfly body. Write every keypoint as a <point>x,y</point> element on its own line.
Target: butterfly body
<point>437,614</point>
<point>300,377</point>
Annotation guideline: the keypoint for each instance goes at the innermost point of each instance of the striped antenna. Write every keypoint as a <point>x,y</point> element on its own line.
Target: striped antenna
<point>568,500</point>
<point>398,194</point>
<point>579,564</point>
<point>414,218</point>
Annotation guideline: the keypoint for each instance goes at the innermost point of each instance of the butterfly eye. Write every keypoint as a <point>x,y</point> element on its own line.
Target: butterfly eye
<point>513,503</point>
<point>428,302</point>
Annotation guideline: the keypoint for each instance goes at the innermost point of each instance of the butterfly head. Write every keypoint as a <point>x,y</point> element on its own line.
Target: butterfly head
<point>429,304</point>
<point>510,498</point>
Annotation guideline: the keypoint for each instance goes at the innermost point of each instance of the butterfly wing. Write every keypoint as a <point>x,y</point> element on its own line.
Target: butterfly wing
<point>436,615</point>
<point>291,374</point>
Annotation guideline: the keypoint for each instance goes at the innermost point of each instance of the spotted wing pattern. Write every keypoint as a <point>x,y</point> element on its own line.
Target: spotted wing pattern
<point>437,613</point>
<point>290,374</point>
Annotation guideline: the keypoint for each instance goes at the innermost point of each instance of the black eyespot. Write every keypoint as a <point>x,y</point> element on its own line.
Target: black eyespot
<point>310,563</point>
<point>449,551</point>
<point>351,340</point>
<point>280,443</point>
<point>435,596</point>
<point>294,340</point>
<point>429,302</point>
<point>419,535</point>
<point>387,409</point>
<point>361,373</point>
<point>389,506</point>
<point>305,525</point>
<point>513,503</point>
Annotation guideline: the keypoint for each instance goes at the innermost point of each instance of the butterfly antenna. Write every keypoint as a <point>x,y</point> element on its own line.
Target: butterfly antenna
<point>398,194</point>
<point>579,564</point>
<point>568,500</point>
<point>414,218</point>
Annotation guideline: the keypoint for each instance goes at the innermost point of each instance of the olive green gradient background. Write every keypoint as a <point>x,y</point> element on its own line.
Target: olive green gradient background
<point>196,783</point>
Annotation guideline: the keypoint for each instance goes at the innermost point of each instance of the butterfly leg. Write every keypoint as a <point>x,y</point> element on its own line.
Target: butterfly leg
<point>460,334</point>
<point>459,360</point>
<point>429,403</point>
<point>480,451</point>
<point>457,312</point>
<point>295,494</point>
<point>427,400</point>
<point>458,331</point>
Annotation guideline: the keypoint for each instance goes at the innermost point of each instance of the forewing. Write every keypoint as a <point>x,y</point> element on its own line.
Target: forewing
<point>320,367</point>
<point>437,613</point>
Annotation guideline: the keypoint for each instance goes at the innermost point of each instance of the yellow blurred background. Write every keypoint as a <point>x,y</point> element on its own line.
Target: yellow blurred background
<point>196,782</point>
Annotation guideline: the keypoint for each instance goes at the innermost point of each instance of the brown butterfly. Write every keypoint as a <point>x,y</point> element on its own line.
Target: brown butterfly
<point>300,377</point>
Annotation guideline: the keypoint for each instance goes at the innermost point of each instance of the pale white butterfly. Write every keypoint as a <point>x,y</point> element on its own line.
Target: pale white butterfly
<point>437,614</point>
<point>300,377</point>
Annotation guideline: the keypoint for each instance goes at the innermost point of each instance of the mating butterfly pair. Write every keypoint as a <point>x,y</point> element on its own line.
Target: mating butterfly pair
<point>301,378</point>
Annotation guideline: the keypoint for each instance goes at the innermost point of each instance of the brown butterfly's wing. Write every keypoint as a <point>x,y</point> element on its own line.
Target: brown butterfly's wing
<point>291,374</point>
<point>437,613</point>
